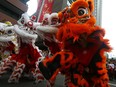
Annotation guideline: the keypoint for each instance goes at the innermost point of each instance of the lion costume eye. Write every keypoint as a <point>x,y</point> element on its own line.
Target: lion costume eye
<point>22,21</point>
<point>9,32</point>
<point>82,11</point>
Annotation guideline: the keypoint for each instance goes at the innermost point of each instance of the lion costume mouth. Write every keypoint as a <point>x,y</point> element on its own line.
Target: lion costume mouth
<point>83,20</point>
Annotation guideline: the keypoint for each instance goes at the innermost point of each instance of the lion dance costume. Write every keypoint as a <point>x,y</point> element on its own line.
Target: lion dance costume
<point>82,57</point>
<point>47,31</point>
<point>7,47</point>
<point>26,59</point>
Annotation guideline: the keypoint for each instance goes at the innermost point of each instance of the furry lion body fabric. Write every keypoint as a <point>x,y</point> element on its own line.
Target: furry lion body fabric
<point>82,57</point>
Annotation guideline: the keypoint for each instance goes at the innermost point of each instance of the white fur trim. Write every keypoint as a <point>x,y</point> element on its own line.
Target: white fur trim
<point>26,17</point>
<point>24,34</point>
<point>53,15</point>
<point>20,65</point>
<point>46,16</point>
<point>6,39</point>
<point>40,59</point>
<point>9,28</point>
<point>35,24</point>
<point>38,75</point>
<point>2,26</point>
<point>47,29</point>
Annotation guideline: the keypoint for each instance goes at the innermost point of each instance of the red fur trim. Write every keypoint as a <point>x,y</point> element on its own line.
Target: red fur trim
<point>63,60</point>
<point>80,80</point>
<point>101,81</point>
<point>54,76</point>
<point>72,30</point>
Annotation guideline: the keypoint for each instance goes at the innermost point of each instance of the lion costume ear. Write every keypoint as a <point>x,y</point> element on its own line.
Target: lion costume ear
<point>91,5</point>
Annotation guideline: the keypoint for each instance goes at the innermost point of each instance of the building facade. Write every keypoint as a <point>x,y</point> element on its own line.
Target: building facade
<point>11,10</point>
<point>98,11</point>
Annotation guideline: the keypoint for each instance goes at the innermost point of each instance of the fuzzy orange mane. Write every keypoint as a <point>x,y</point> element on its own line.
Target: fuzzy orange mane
<point>70,14</point>
<point>74,23</point>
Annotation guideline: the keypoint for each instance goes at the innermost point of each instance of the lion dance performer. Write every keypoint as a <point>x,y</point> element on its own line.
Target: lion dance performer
<point>82,58</point>
<point>28,54</point>
<point>6,39</point>
<point>7,46</point>
<point>47,31</point>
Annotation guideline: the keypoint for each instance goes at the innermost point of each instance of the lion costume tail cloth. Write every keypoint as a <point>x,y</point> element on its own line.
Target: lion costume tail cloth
<point>82,59</point>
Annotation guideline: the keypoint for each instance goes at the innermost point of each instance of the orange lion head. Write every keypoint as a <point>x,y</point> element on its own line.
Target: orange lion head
<point>80,11</point>
<point>76,20</point>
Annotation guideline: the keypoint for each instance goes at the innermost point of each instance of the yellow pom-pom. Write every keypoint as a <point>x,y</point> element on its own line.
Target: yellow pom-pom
<point>8,23</point>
